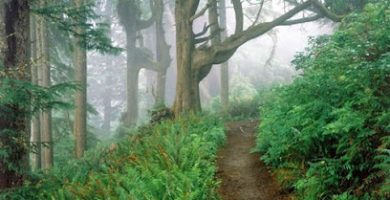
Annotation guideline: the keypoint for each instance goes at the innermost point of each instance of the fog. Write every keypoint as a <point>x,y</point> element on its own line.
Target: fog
<point>264,61</point>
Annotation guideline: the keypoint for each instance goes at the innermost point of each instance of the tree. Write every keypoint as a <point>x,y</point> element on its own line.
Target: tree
<point>224,66</point>
<point>130,17</point>
<point>35,119</point>
<point>80,63</point>
<point>162,51</point>
<point>107,98</point>
<point>195,56</point>
<point>14,46</point>
<point>43,65</point>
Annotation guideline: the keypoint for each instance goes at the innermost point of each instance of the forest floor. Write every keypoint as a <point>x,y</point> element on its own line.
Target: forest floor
<point>243,175</point>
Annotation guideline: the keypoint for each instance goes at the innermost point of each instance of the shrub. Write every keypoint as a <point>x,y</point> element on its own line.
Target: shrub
<point>332,123</point>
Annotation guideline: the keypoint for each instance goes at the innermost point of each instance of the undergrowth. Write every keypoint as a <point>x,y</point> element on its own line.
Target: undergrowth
<point>172,160</point>
<point>328,134</point>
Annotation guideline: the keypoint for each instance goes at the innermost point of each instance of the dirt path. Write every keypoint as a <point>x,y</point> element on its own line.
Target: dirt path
<point>243,175</point>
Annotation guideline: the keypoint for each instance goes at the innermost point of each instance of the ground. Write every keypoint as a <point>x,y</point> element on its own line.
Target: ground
<point>243,176</point>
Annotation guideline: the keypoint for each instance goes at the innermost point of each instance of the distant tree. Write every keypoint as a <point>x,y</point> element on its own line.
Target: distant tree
<point>162,51</point>
<point>43,70</point>
<point>130,15</point>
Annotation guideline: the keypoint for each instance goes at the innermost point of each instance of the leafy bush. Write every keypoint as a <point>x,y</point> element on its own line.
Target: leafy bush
<point>333,123</point>
<point>173,160</point>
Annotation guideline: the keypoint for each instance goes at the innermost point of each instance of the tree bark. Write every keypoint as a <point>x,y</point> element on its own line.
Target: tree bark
<point>80,119</point>
<point>14,44</point>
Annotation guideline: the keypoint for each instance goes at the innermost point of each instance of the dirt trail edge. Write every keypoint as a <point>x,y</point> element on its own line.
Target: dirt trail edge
<point>243,175</point>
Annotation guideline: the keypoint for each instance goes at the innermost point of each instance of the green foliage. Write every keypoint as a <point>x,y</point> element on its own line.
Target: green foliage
<point>244,100</point>
<point>69,18</point>
<point>332,123</point>
<point>173,160</point>
<point>342,7</point>
<point>21,98</point>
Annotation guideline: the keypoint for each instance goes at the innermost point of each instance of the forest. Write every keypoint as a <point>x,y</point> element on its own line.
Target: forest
<point>195,99</point>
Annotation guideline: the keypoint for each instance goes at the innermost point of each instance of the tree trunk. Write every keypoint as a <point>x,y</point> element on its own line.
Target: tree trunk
<point>225,85</point>
<point>163,56</point>
<point>130,18</point>
<point>14,46</point>
<point>80,119</point>
<point>187,88</point>
<point>160,89</point>
<point>107,110</point>
<point>224,66</point>
<point>132,80</point>
<point>35,120</point>
<point>44,70</point>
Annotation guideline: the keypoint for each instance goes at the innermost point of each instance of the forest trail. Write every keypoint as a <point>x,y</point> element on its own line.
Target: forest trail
<point>243,175</point>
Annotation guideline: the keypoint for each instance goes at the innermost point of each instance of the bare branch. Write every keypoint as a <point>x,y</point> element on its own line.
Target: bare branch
<point>258,13</point>
<point>200,13</point>
<point>301,20</point>
<point>237,5</point>
<point>204,31</point>
<point>207,38</point>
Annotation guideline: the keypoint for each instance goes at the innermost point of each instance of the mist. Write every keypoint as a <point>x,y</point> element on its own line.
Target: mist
<point>264,61</point>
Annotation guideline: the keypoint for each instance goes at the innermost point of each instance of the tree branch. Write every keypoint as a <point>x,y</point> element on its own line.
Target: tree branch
<point>219,53</point>
<point>207,38</point>
<point>200,13</point>
<point>143,24</point>
<point>204,31</point>
<point>258,13</point>
<point>239,15</point>
<point>301,20</point>
<point>326,12</point>
<point>319,8</point>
